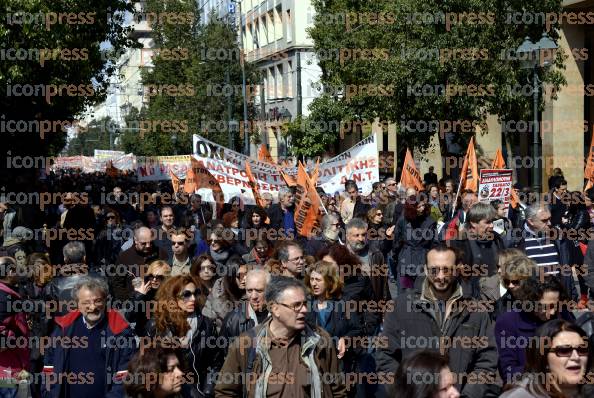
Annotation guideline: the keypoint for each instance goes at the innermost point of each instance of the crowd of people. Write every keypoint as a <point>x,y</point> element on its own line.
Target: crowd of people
<point>128,289</point>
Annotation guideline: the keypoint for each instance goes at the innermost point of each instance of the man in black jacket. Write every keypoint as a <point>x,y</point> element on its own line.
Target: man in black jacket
<point>251,312</point>
<point>438,316</point>
<point>282,214</point>
<point>130,262</point>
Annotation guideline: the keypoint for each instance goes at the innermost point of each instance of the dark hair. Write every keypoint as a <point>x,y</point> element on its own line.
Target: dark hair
<point>197,263</point>
<point>350,184</point>
<point>496,203</point>
<point>230,287</point>
<point>255,210</point>
<point>532,289</point>
<point>590,194</point>
<point>536,355</point>
<point>557,182</point>
<point>441,248</point>
<point>151,362</point>
<point>410,380</point>
<point>278,284</point>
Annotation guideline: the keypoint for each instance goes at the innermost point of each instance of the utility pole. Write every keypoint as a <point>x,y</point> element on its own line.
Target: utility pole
<point>246,124</point>
<point>299,93</point>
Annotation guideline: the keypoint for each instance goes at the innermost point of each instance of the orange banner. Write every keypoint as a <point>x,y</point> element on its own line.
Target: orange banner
<point>410,177</point>
<point>175,181</point>
<point>253,185</point>
<point>307,205</point>
<point>316,173</point>
<point>469,176</point>
<point>264,155</point>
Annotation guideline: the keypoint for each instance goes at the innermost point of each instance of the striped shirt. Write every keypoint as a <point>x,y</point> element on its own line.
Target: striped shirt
<point>541,250</point>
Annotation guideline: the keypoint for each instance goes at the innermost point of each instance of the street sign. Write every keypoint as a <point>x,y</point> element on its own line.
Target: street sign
<point>232,8</point>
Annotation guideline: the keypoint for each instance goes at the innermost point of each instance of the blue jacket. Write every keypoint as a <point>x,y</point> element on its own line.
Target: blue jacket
<point>118,354</point>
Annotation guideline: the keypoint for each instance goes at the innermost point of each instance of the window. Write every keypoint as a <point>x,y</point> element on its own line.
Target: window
<point>290,79</point>
<point>289,26</point>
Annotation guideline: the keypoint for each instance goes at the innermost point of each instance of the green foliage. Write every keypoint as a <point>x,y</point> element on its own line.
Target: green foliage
<point>395,68</point>
<point>201,73</point>
<point>92,69</point>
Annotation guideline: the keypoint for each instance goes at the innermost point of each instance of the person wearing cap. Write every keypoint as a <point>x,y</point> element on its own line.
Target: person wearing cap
<point>16,245</point>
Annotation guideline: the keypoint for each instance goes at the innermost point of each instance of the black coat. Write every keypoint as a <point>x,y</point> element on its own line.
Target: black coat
<point>480,253</point>
<point>276,215</point>
<point>410,325</point>
<point>236,322</point>
<point>341,323</point>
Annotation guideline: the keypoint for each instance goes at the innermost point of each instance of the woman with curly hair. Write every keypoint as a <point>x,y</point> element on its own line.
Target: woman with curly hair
<point>205,270</point>
<point>144,293</point>
<point>178,318</point>
<point>155,373</point>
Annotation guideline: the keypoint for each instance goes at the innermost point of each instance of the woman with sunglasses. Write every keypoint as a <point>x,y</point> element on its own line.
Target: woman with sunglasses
<point>204,269</point>
<point>166,370</point>
<point>110,238</point>
<point>178,317</point>
<point>220,246</point>
<point>145,292</point>
<point>515,329</point>
<point>227,291</point>
<point>557,365</point>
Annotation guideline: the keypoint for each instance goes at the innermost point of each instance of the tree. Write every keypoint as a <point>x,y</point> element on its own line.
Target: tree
<point>207,54</point>
<point>418,52</point>
<point>52,67</point>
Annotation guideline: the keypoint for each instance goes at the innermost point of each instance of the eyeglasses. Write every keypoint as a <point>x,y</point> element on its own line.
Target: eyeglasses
<point>296,307</point>
<point>178,243</point>
<point>434,271</point>
<point>186,295</point>
<point>565,351</point>
<point>378,214</point>
<point>515,282</point>
<point>110,218</point>
<point>159,278</point>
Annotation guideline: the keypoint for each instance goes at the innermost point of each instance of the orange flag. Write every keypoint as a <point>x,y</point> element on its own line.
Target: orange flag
<point>264,155</point>
<point>307,205</point>
<point>175,181</point>
<point>469,175</point>
<point>410,177</point>
<point>253,184</point>
<point>589,170</point>
<point>316,173</point>
<point>198,177</point>
<point>289,180</point>
<point>498,162</point>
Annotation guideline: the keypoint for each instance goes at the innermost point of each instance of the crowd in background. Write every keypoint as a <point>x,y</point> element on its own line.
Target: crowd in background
<point>127,289</point>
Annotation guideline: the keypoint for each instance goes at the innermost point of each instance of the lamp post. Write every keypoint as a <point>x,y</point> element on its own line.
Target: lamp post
<point>535,56</point>
<point>246,124</point>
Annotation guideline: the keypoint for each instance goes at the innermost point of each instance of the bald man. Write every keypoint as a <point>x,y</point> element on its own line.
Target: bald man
<point>131,261</point>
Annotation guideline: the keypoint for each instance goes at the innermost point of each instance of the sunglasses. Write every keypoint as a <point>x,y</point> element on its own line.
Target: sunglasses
<point>186,295</point>
<point>178,243</point>
<point>516,282</point>
<point>159,278</point>
<point>565,351</point>
<point>110,217</point>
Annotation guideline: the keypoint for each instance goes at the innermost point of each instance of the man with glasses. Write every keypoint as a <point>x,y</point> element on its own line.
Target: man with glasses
<point>285,357</point>
<point>545,245</point>
<point>14,362</point>
<point>180,262</point>
<point>110,344</point>
<point>292,259</point>
<point>130,261</point>
<point>330,225</point>
<point>438,315</point>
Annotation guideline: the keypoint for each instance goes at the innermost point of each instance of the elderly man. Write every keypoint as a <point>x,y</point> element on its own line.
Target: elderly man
<point>266,200</point>
<point>142,253</point>
<point>434,316</point>
<point>285,356</point>
<point>292,260</point>
<point>282,214</point>
<point>330,234</point>
<point>110,344</point>
<point>251,312</point>
<point>547,246</point>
